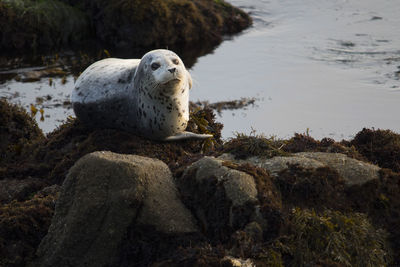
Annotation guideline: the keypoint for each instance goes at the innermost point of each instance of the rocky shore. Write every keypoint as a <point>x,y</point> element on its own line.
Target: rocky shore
<point>39,27</point>
<point>102,197</point>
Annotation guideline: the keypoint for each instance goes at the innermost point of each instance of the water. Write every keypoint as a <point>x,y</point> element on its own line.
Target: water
<point>325,65</point>
<point>328,66</point>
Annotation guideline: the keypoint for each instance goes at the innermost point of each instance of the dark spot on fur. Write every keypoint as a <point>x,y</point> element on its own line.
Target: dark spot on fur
<point>77,88</point>
<point>130,76</point>
<point>144,114</point>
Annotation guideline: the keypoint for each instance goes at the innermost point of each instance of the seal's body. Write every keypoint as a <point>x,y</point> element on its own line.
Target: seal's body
<point>149,96</point>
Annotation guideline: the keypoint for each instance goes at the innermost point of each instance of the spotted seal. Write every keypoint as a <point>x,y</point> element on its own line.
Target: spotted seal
<point>147,96</point>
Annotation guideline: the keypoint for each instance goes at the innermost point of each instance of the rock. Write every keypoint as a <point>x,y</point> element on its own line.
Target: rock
<point>223,199</point>
<point>15,189</point>
<point>103,195</point>
<point>276,164</point>
<point>354,172</point>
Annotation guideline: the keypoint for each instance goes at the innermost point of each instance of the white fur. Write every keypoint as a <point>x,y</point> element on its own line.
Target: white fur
<point>131,95</point>
<point>100,80</point>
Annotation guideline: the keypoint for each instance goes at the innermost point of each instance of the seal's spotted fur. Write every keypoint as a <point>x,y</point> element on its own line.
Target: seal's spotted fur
<point>148,96</point>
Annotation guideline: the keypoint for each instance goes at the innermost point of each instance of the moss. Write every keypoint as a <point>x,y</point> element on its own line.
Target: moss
<point>17,129</point>
<point>381,147</point>
<point>312,188</point>
<point>334,237</point>
<point>244,146</point>
<point>22,227</point>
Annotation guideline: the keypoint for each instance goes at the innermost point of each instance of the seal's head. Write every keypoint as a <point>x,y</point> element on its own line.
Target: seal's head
<point>163,69</point>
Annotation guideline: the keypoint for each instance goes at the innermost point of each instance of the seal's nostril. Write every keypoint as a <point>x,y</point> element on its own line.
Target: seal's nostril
<point>172,70</point>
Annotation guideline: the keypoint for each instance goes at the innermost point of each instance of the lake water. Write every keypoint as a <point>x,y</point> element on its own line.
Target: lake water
<point>329,67</point>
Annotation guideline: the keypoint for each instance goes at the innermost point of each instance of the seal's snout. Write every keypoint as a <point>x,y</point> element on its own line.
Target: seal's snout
<point>172,70</point>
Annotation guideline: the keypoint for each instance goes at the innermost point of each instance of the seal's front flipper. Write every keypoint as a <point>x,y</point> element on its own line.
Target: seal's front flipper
<point>187,135</point>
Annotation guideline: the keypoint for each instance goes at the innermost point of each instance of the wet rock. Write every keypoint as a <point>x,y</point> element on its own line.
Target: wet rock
<point>223,199</point>
<point>354,172</point>
<point>103,195</point>
<point>36,75</point>
<point>14,189</point>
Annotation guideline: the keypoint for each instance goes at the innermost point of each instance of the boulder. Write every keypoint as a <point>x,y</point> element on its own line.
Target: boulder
<point>354,172</point>
<point>223,199</point>
<point>103,195</point>
<point>276,164</point>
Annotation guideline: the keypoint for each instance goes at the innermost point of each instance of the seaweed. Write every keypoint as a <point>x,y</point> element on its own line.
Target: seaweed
<point>244,146</point>
<point>268,195</point>
<point>30,25</point>
<point>311,188</point>
<point>332,237</point>
<point>126,24</point>
<point>17,130</point>
<point>22,227</point>
<point>381,147</point>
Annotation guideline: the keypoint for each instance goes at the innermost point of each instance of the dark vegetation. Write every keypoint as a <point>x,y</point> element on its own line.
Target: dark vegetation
<point>37,26</point>
<point>312,217</point>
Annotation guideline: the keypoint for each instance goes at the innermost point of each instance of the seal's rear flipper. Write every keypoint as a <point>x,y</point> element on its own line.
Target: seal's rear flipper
<point>187,135</point>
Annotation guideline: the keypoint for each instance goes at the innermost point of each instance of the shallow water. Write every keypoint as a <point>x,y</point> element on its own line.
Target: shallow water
<point>324,65</point>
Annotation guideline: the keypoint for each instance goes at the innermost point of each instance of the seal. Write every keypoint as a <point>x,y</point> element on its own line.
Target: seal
<point>147,96</point>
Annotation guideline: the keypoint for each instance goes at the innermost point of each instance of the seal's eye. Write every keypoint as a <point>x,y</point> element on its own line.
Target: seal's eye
<point>155,66</point>
<point>175,61</point>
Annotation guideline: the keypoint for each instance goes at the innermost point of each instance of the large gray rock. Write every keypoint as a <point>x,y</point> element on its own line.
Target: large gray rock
<point>222,198</point>
<point>105,193</point>
<point>354,172</point>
